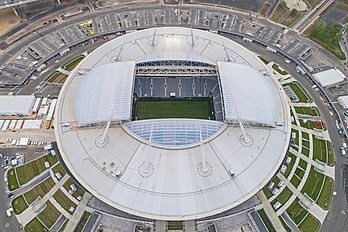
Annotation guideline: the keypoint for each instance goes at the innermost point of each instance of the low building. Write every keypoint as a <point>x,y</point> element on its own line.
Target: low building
<point>343,100</point>
<point>16,105</point>
<point>329,77</point>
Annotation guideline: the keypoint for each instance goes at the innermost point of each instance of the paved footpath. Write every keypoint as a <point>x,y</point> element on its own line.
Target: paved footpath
<point>30,212</point>
<point>74,220</point>
<point>278,226</point>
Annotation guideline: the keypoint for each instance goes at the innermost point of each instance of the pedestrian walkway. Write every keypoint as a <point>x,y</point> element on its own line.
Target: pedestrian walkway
<point>270,212</point>
<point>63,71</point>
<point>303,104</point>
<point>31,211</point>
<point>33,182</point>
<point>313,208</point>
<point>74,220</point>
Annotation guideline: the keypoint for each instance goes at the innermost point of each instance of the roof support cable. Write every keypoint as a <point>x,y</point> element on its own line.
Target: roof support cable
<point>103,138</point>
<point>244,135</point>
<point>228,57</point>
<point>192,42</point>
<point>153,41</point>
<point>118,57</point>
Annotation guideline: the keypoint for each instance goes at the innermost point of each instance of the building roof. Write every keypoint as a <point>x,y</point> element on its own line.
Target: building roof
<point>247,94</point>
<point>329,77</point>
<point>105,93</point>
<point>162,177</point>
<point>16,104</point>
<point>174,133</point>
<point>343,100</point>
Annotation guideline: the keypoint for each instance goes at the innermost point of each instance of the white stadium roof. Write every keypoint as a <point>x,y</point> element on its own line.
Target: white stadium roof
<point>247,94</point>
<point>106,93</point>
<point>153,168</point>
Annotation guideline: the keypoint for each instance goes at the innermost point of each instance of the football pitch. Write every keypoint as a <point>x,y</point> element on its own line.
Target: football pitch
<point>152,108</point>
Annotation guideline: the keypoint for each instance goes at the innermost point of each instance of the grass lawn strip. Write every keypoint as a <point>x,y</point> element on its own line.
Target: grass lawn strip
<point>29,170</point>
<point>302,164</point>
<point>284,196</point>
<point>310,125</point>
<point>305,151</point>
<point>12,182</point>
<point>58,168</point>
<point>39,190</point>
<point>64,201</point>
<point>286,227</point>
<point>300,173</point>
<point>305,136</point>
<point>290,165</point>
<point>57,77</point>
<point>299,91</point>
<point>330,154</point>
<point>19,204</point>
<point>266,220</point>
<point>79,192</point>
<point>82,222</point>
<point>61,229</point>
<point>34,226</point>
<point>313,184</point>
<point>310,224</point>
<point>49,215</point>
<point>295,181</point>
<point>175,225</point>
<point>296,211</point>
<point>325,196</point>
<point>264,60</point>
<point>71,64</point>
<point>279,70</point>
<point>311,111</point>
<point>319,150</point>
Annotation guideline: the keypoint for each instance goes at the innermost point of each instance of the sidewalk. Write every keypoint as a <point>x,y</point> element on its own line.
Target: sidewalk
<point>74,220</point>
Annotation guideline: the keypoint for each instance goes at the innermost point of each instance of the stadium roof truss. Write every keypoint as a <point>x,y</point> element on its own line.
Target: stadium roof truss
<point>181,68</point>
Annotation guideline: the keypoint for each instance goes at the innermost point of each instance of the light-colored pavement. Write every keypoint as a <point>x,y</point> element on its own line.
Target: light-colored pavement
<point>270,212</point>
<point>74,220</point>
<point>36,180</point>
<point>30,212</point>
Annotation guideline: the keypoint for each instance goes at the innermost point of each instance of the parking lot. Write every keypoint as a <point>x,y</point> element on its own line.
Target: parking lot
<point>269,35</point>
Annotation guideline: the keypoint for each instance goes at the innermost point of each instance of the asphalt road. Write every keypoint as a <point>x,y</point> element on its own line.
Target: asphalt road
<point>335,220</point>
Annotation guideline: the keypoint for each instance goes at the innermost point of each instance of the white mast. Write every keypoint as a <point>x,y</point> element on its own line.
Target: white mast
<point>229,59</point>
<point>245,137</point>
<point>117,58</point>
<point>204,165</point>
<point>102,139</point>
<point>153,42</point>
<point>192,42</point>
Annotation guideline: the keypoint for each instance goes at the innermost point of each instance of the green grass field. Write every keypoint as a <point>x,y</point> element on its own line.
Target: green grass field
<point>12,180</point>
<point>151,108</point>
<point>19,204</point>
<point>79,192</point>
<point>266,220</point>
<point>57,77</point>
<point>296,211</point>
<point>313,184</point>
<point>34,226</point>
<point>310,224</point>
<point>71,64</point>
<point>82,222</point>
<point>64,201</point>
<point>39,190</point>
<point>49,215</point>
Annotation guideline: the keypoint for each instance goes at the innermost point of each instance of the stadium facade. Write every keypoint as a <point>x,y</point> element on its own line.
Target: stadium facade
<point>172,168</point>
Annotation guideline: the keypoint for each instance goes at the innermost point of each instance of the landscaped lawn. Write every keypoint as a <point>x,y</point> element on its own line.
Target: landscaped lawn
<point>319,150</point>
<point>284,196</point>
<point>290,165</point>
<point>278,69</point>
<point>61,229</point>
<point>29,170</point>
<point>305,151</point>
<point>82,221</point>
<point>71,64</point>
<point>57,77</point>
<point>296,211</point>
<point>19,204</point>
<point>300,173</point>
<point>175,225</point>
<point>49,215</point>
<point>305,135</point>
<point>39,190</point>
<point>313,184</point>
<point>266,220</point>
<point>59,168</point>
<point>299,91</point>
<point>311,125</point>
<point>295,181</point>
<point>286,227</point>
<point>12,182</point>
<point>302,164</point>
<point>325,196</point>
<point>310,224</point>
<point>331,156</point>
<point>264,60</point>
<point>64,201</point>
<point>34,226</point>
<point>311,111</point>
<point>79,192</point>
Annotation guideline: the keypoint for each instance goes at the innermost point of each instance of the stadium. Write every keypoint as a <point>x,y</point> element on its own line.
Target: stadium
<point>172,123</point>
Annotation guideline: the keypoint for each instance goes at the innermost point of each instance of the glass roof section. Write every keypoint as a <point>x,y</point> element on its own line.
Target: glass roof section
<point>174,132</point>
